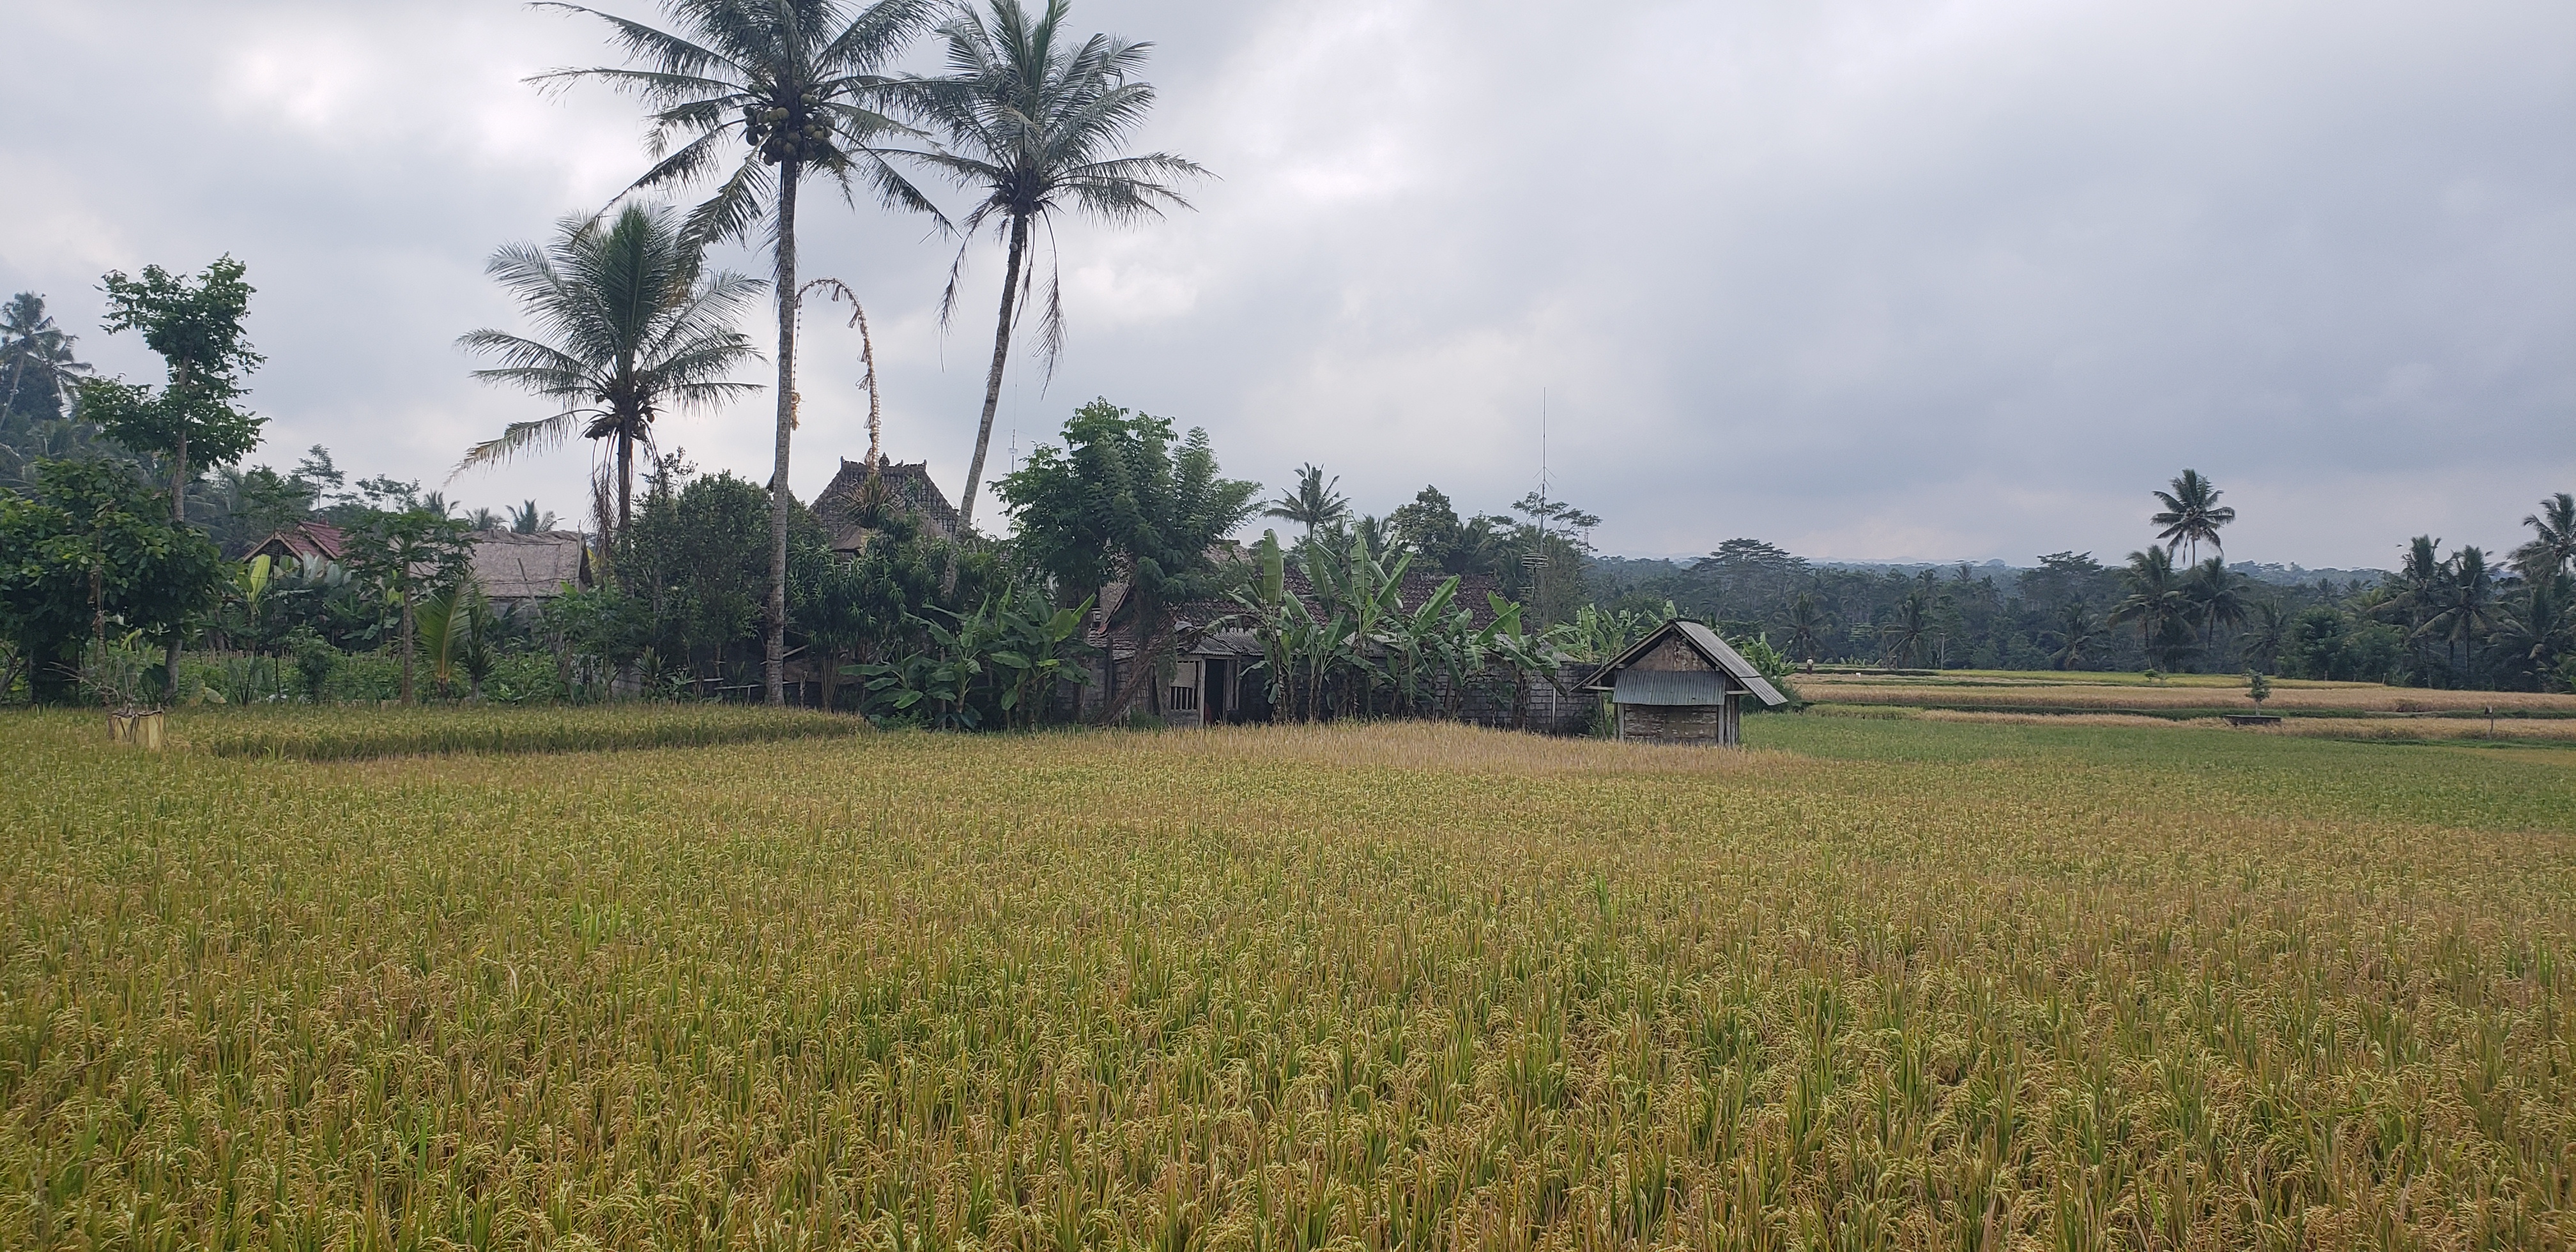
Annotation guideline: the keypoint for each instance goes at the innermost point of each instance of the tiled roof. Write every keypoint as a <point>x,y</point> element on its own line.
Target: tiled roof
<point>304,539</point>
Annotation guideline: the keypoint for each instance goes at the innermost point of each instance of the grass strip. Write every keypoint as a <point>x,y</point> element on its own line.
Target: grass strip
<point>372,734</point>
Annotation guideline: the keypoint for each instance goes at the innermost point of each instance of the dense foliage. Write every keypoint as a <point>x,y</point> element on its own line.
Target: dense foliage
<point>91,551</point>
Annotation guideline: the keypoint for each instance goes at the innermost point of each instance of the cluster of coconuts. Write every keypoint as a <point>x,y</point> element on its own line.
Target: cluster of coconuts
<point>772,130</point>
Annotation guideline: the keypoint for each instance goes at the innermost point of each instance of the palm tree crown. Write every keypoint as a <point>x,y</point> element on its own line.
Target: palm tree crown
<point>36,362</point>
<point>1314,504</point>
<point>628,327</point>
<point>2192,514</point>
<point>2553,544</point>
<point>2463,604</point>
<point>2157,601</point>
<point>794,83</point>
<point>1035,122</point>
<point>2217,597</point>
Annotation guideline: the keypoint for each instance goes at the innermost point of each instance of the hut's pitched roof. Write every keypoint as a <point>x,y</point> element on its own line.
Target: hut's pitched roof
<point>1701,640</point>
<point>304,539</point>
<point>512,566</point>
<point>908,485</point>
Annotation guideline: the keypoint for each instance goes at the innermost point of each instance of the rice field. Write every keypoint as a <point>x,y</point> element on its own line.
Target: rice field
<point>355,733</point>
<point>2188,695</point>
<point>1877,983</point>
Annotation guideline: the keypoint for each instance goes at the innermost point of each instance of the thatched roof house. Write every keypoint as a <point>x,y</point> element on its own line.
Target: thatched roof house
<point>908,487</point>
<point>513,568</point>
<point>1682,684</point>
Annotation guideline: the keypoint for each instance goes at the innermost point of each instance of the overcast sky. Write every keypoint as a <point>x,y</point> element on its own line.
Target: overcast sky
<point>1915,280</point>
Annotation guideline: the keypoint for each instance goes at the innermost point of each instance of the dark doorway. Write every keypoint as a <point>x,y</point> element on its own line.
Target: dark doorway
<point>1212,688</point>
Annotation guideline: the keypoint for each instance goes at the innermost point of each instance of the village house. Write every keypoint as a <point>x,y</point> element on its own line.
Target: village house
<point>525,570</point>
<point>320,541</point>
<point>1214,658</point>
<point>514,570</point>
<point>908,488</point>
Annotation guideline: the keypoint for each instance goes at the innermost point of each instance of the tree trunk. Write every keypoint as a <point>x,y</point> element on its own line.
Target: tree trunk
<point>178,518</point>
<point>774,641</point>
<point>993,377</point>
<point>625,477</point>
<point>406,648</point>
<point>1143,671</point>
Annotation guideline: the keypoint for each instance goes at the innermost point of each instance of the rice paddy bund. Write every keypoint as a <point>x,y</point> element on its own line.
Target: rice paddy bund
<point>1875,984</point>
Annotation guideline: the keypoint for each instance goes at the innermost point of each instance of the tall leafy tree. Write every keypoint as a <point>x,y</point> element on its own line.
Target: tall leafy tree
<point>195,419</point>
<point>1036,122</point>
<point>629,326</point>
<point>89,546</point>
<point>1124,500</point>
<point>762,95</point>
<point>1430,528</point>
<point>2553,541</point>
<point>2192,514</point>
<point>1314,504</point>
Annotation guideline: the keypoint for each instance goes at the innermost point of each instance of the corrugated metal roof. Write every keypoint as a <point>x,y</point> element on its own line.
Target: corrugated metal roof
<point>1707,644</point>
<point>1669,687</point>
<point>1716,649</point>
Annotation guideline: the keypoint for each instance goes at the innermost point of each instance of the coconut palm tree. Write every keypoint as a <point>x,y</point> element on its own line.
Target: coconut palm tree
<point>1314,504</point>
<point>2158,603</point>
<point>2553,544</point>
<point>2538,628</point>
<point>37,357</point>
<point>2409,595</point>
<point>1906,633</point>
<point>526,520</point>
<point>796,84</point>
<point>2262,642</point>
<point>1808,622</point>
<point>2192,514</point>
<point>2464,606</point>
<point>1035,122</point>
<point>2217,598</point>
<point>2077,630</point>
<point>629,327</point>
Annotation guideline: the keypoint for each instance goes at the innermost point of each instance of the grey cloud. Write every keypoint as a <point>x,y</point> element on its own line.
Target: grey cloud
<point>1874,280</point>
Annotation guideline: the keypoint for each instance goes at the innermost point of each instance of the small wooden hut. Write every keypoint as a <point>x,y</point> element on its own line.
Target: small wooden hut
<point>1682,684</point>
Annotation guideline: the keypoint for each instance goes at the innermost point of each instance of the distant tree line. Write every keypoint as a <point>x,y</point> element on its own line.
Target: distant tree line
<point>2459,619</point>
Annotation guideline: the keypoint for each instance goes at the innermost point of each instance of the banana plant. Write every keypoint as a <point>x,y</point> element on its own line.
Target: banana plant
<point>1039,649</point>
<point>1414,641</point>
